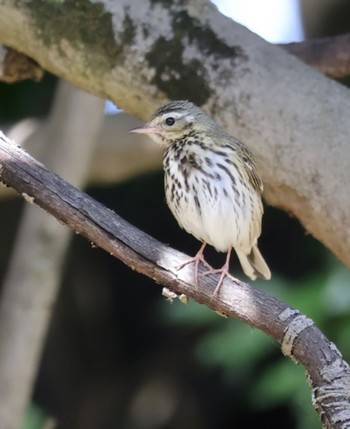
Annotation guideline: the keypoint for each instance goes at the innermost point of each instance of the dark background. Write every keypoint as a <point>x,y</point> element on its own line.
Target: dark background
<point>119,356</point>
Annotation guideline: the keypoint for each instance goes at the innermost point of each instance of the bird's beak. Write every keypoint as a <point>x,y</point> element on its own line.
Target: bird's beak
<point>145,129</point>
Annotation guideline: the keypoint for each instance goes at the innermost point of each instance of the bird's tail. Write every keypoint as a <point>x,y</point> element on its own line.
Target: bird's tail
<point>254,264</point>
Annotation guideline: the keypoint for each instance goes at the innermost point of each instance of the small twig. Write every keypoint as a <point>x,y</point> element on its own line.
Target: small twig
<point>299,337</point>
<point>330,55</point>
<point>15,66</point>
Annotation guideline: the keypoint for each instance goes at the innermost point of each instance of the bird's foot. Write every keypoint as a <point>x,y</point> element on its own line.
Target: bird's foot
<point>199,257</point>
<point>224,272</point>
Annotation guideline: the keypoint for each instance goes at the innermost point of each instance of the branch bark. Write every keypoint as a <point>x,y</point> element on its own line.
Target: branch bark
<point>329,55</point>
<point>292,117</point>
<point>298,336</point>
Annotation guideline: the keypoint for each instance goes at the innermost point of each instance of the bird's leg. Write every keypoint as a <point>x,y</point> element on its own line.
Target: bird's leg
<point>224,270</point>
<point>199,257</point>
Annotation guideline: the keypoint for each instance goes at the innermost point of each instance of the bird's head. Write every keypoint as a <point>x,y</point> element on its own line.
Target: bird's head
<point>173,121</point>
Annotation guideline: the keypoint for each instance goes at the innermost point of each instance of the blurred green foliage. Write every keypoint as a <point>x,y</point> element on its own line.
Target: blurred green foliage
<point>252,357</point>
<point>35,418</point>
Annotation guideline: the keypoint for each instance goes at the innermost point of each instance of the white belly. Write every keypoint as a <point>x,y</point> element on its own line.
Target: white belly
<point>214,211</point>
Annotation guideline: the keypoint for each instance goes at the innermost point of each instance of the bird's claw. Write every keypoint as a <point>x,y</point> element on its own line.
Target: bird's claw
<point>196,260</point>
<point>224,273</point>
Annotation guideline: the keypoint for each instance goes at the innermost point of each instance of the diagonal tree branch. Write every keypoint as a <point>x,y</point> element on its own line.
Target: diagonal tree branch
<point>299,337</point>
<point>329,55</point>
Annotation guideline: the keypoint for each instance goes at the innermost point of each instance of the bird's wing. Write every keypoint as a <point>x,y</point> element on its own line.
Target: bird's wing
<point>250,167</point>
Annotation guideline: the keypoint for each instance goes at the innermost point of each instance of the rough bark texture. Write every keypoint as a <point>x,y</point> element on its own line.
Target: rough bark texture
<point>329,55</point>
<point>299,337</point>
<point>141,53</point>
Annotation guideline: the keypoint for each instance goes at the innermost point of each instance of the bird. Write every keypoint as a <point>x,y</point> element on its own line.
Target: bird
<point>212,186</point>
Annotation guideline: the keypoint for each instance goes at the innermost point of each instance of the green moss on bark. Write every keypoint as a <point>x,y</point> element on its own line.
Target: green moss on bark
<point>176,79</point>
<point>187,80</point>
<point>81,23</point>
<point>204,37</point>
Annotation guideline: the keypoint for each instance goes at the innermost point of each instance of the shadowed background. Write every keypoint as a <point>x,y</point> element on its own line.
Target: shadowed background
<point>118,355</point>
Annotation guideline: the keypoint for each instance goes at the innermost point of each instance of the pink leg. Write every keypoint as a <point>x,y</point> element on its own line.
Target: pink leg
<point>224,270</point>
<point>199,257</point>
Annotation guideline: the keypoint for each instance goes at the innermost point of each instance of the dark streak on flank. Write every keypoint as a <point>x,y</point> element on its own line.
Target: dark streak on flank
<point>228,172</point>
<point>207,185</point>
<point>197,204</point>
<point>208,161</point>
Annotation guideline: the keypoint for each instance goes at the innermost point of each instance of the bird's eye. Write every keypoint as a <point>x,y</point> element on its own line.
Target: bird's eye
<point>170,121</point>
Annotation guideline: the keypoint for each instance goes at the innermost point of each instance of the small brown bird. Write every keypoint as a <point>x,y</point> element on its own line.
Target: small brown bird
<point>211,186</point>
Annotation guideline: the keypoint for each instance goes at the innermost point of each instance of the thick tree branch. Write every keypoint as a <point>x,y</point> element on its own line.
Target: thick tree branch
<point>299,337</point>
<point>293,118</point>
<point>329,55</point>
